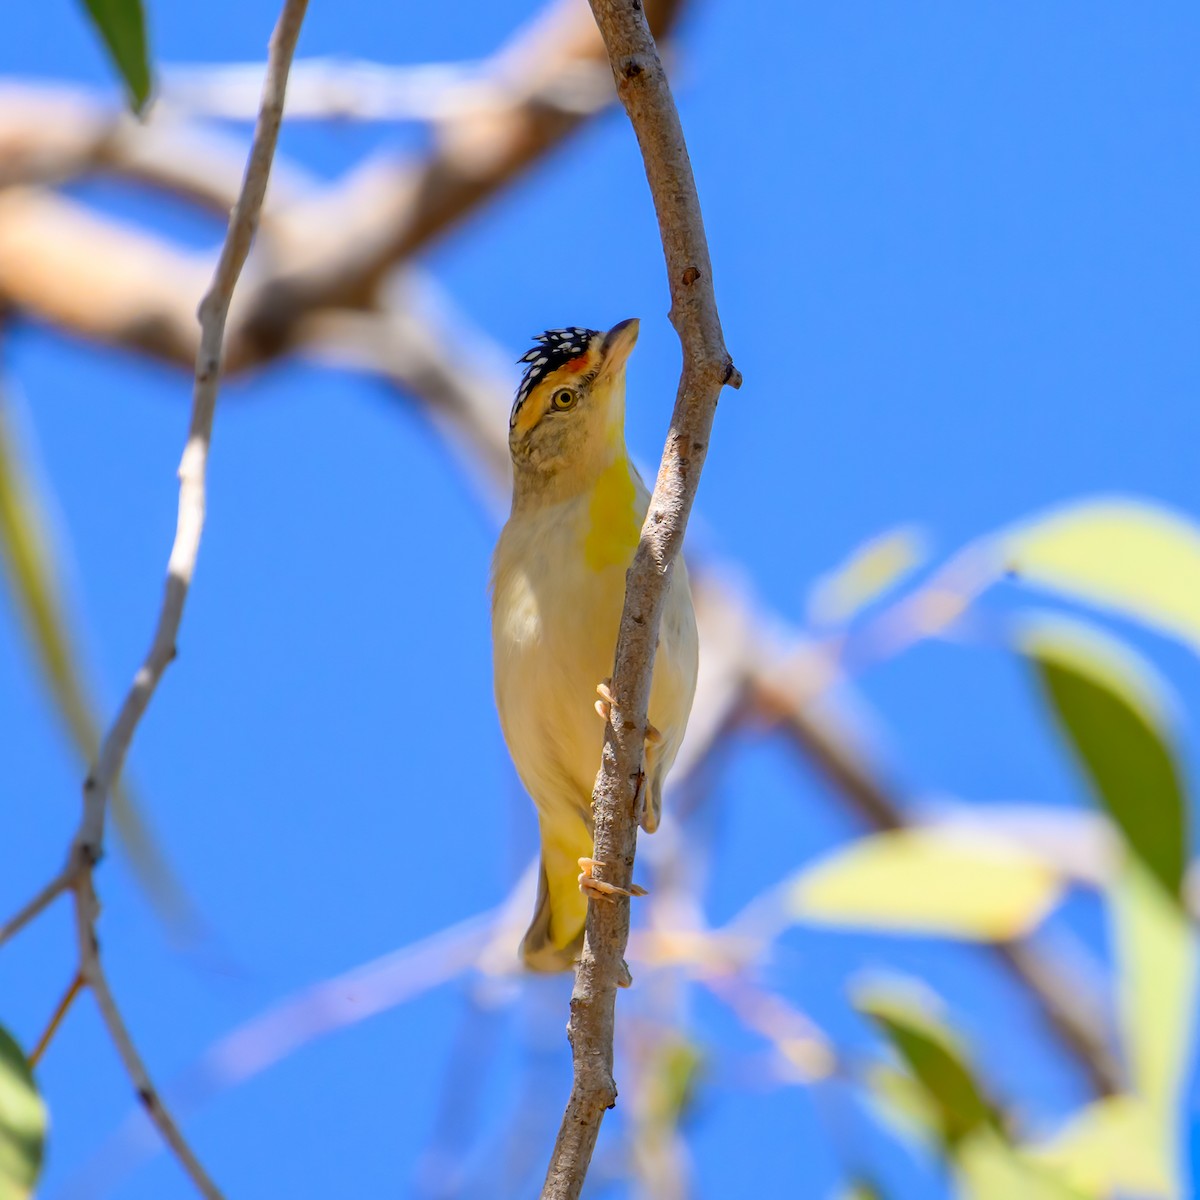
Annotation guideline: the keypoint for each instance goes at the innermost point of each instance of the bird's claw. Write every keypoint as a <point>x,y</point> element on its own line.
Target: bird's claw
<point>604,710</point>
<point>597,889</point>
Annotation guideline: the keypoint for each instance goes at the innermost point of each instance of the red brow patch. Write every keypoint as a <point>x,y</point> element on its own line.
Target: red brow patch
<point>575,365</point>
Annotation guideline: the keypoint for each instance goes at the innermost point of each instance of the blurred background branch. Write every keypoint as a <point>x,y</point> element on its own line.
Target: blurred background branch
<point>400,343</point>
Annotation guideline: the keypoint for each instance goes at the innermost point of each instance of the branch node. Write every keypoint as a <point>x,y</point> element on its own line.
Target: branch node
<point>87,854</point>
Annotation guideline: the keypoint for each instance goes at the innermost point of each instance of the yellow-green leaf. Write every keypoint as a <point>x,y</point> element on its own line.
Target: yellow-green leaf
<point>122,27</point>
<point>949,882</point>
<point>22,1123</point>
<point>933,1053</point>
<point>1113,711</point>
<point>903,1104</point>
<point>870,570</point>
<point>670,1082</point>
<point>1109,1149</point>
<point>988,1167</point>
<point>1134,558</point>
<point>1156,1003</point>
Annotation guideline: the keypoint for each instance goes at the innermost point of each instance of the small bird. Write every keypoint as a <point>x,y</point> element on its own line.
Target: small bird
<point>558,587</point>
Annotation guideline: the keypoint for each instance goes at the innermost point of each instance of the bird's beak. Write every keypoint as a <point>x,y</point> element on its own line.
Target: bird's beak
<point>619,342</point>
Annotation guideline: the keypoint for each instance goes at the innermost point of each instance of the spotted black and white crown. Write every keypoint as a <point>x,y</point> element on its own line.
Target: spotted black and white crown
<point>555,347</point>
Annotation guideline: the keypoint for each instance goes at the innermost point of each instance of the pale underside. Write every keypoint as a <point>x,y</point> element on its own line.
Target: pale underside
<point>552,646</point>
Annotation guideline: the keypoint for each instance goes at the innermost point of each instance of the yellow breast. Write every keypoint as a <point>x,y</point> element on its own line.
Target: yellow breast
<point>614,518</point>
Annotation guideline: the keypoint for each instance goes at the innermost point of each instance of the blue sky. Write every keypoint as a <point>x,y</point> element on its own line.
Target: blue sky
<point>956,254</point>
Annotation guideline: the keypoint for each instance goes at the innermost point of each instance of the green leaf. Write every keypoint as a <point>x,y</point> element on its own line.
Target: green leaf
<point>40,599</point>
<point>122,27</point>
<point>942,1097</point>
<point>669,1086</point>
<point>24,547</point>
<point>861,1189</point>
<point>1133,558</point>
<point>1110,1148</point>
<point>1112,710</point>
<point>954,883</point>
<point>869,571</point>
<point>22,1123</point>
<point>933,1053</point>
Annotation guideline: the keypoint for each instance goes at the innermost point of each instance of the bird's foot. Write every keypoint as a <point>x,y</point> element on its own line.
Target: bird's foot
<point>604,709</point>
<point>606,701</point>
<point>597,889</point>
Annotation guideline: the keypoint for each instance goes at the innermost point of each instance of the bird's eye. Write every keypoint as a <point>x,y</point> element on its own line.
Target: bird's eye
<point>564,400</point>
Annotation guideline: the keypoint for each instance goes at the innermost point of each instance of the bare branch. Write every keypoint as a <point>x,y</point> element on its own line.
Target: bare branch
<point>304,1017</point>
<point>341,89</point>
<point>644,91</point>
<point>87,845</point>
<point>214,309</point>
<point>52,134</point>
<point>343,241</point>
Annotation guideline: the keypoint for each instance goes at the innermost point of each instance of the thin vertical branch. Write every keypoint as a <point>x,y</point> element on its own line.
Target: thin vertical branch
<point>88,843</point>
<point>214,308</point>
<point>643,90</point>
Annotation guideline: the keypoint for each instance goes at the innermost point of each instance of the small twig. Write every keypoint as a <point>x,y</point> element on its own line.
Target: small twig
<point>646,95</point>
<point>808,1054</point>
<point>35,1055</point>
<point>86,907</point>
<point>55,888</point>
<point>297,1021</point>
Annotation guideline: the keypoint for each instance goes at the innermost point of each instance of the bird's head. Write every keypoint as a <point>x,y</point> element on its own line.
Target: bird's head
<point>568,419</point>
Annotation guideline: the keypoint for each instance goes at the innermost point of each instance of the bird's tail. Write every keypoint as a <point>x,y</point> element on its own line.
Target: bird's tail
<point>555,935</point>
